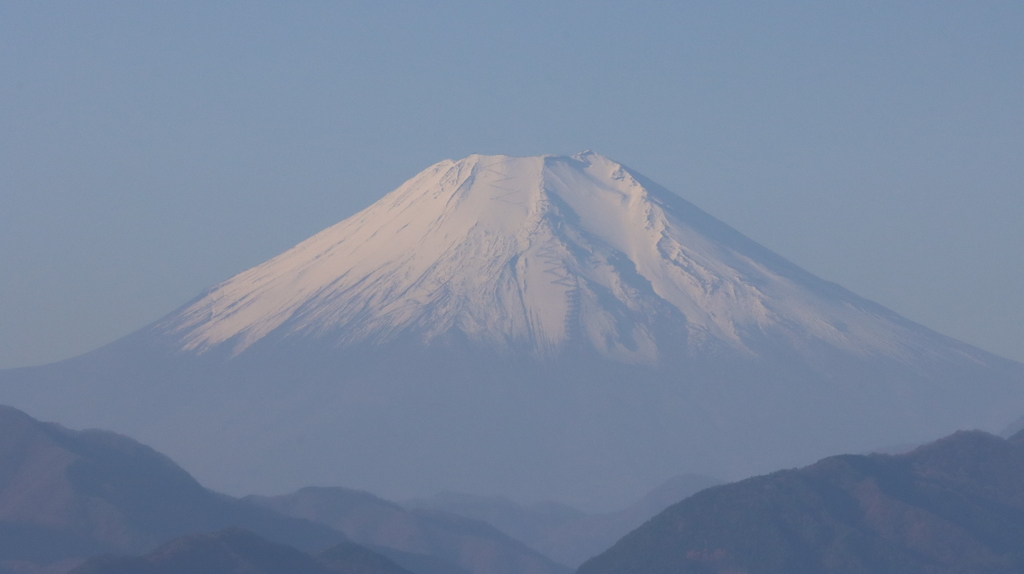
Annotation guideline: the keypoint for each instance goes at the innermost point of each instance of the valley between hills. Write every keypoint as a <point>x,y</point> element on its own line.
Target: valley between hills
<point>94,502</point>
<point>483,372</point>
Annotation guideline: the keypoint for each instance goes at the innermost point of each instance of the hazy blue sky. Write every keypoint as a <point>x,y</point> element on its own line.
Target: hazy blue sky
<point>148,150</point>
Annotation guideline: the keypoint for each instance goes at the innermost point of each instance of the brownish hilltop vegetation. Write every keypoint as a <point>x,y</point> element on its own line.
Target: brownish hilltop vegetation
<point>955,505</point>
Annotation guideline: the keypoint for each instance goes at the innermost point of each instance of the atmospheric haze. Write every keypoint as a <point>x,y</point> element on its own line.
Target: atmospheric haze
<point>540,327</point>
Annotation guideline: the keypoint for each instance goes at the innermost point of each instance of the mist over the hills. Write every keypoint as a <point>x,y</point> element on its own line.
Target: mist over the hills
<point>540,327</point>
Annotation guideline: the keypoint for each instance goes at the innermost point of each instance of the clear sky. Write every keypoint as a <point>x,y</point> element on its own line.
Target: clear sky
<point>149,150</point>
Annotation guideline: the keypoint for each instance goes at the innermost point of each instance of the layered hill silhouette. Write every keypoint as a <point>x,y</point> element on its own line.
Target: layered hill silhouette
<point>562,533</point>
<point>542,328</point>
<point>421,540</point>
<point>67,495</point>
<point>955,505</point>
<point>236,551</point>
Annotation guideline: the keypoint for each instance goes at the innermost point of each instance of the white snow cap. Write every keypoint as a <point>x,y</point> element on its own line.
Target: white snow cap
<point>534,254</point>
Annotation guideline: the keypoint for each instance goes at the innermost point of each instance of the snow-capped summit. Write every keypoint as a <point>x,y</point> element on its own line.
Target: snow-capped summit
<point>539,327</point>
<point>534,254</point>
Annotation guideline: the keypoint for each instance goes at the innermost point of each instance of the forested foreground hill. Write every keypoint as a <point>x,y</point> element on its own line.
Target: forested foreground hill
<point>955,505</point>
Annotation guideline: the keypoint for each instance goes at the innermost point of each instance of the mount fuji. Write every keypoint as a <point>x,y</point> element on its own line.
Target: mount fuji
<point>540,327</point>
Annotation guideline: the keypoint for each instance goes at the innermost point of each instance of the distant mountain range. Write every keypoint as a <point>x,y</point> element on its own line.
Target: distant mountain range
<point>955,505</point>
<point>93,502</point>
<point>69,495</point>
<point>441,542</point>
<point>66,495</point>
<point>561,532</point>
<point>541,328</point>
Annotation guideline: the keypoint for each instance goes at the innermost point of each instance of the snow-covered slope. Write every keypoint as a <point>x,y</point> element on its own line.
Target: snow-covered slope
<point>528,254</point>
<point>540,327</point>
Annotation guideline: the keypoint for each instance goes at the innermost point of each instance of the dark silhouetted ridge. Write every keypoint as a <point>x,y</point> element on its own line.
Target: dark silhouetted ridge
<point>70,494</point>
<point>955,505</point>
